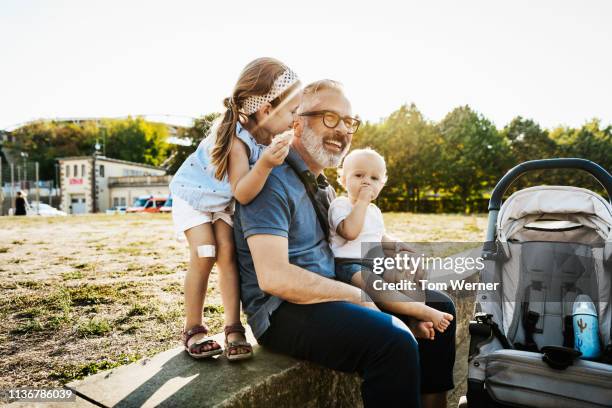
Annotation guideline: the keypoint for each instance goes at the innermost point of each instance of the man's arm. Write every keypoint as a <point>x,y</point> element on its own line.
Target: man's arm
<point>289,282</point>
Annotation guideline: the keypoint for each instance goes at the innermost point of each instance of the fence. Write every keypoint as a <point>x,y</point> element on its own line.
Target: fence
<point>23,176</point>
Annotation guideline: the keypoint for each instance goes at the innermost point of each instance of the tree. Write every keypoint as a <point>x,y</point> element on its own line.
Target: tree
<point>592,142</point>
<point>473,154</point>
<point>461,157</point>
<point>192,136</point>
<point>528,141</point>
<point>134,139</point>
<point>47,141</point>
<point>407,141</point>
<point>410,145</point>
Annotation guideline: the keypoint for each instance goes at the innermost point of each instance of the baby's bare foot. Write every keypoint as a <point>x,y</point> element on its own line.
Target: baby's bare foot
<point>440,320</point>
<point>422,330</point>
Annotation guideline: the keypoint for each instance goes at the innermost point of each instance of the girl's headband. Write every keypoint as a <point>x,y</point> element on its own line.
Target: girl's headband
<point>284,81</point>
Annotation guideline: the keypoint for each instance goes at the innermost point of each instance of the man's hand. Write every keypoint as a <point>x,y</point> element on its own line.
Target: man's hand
<point>275,154</point>
<point>406,250</point>
<point>366,301</point>
<point>392,247</point>
<point>404,247</point>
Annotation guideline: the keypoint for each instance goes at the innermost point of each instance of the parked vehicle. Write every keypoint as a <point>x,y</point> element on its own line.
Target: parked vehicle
<point>116,210</point>
<point>44,210</point>
<point>167,207</point>
<point>147,204</point>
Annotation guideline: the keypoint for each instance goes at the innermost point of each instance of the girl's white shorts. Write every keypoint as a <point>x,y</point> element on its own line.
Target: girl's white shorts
<point>185,217</point>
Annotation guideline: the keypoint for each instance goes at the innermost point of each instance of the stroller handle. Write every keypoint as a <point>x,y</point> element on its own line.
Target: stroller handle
<point>604,178</point>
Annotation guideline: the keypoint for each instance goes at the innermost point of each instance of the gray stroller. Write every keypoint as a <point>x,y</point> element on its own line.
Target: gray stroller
<point>545,246</point>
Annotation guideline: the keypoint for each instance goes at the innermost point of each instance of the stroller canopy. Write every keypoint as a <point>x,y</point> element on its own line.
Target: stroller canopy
<point>526,214</point>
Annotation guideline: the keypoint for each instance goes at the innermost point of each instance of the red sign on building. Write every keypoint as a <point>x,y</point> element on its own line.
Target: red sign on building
<point>74,181</point>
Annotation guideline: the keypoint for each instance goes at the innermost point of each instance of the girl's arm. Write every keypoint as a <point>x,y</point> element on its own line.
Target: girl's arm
<point>246,184</point>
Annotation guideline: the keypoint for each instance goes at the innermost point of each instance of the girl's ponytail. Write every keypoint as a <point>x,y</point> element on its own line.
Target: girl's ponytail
<point>225,136</point>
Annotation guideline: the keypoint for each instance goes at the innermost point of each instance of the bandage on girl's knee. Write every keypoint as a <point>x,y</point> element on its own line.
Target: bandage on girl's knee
<point>206,251</point>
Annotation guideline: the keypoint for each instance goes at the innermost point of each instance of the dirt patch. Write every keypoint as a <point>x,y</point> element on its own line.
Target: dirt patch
<point>82,294</point>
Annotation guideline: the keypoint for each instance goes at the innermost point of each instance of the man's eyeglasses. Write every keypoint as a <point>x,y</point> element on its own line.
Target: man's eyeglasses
<point>331,119</point>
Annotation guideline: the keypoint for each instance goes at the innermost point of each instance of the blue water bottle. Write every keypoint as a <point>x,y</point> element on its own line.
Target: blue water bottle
<point>586,328</point>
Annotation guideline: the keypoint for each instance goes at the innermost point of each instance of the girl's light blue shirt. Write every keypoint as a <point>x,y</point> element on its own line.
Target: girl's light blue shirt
<point>195,180</point>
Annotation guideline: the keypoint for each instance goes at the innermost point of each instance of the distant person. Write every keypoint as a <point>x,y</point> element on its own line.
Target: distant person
<point>21,204</point>
<point>234,161</point>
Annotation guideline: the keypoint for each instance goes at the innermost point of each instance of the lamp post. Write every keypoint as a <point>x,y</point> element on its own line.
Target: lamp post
<point>24,156</point>
<point>103,129</point>
<point>1,188</point>
<point>56,186</point>
<point>13,187</point>
<point>94,192</point>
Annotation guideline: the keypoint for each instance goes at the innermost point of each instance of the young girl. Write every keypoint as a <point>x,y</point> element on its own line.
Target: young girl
<point>355,220</point>
<point>233,162</point>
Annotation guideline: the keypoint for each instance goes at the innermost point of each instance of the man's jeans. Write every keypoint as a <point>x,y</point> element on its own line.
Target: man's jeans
<point>343,336</point>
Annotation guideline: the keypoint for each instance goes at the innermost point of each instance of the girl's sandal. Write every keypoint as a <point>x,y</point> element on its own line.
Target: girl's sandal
<point>236,345</point>
<point>196,349</point>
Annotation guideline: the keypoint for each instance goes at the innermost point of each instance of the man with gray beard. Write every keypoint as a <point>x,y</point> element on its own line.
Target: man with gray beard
<point>288,288</point>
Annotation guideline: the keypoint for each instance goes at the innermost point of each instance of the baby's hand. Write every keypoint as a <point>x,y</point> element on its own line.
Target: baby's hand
<point>366,194</point>
<point>274,155</point>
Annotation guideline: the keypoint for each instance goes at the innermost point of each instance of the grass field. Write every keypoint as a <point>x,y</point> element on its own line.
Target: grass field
<point>83,294</point>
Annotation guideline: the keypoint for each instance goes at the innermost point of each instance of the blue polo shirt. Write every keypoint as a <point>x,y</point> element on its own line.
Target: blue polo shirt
<point>282,208</point>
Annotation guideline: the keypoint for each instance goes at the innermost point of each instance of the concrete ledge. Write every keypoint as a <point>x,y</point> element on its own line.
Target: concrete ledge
<point>173,379</point>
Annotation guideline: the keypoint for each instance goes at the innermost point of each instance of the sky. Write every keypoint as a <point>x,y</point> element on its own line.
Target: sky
<point>546,60</point>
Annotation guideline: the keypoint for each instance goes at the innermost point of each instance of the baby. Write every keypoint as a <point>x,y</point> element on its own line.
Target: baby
<point>355,219</point>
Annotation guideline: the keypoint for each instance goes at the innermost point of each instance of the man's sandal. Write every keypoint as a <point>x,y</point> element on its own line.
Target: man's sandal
<point>235,345</point>
<point>196,349</point>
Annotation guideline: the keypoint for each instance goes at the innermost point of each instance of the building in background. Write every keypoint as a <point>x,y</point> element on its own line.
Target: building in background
<point>112,189</point>
<point>96,183</point>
